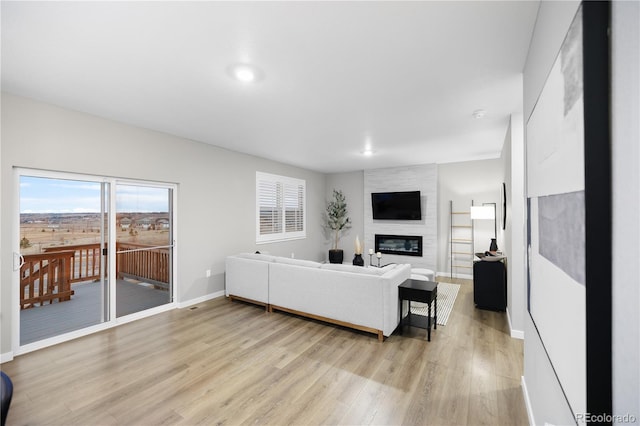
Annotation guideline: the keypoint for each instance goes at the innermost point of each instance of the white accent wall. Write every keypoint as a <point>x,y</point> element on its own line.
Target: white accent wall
<point>423,178</point>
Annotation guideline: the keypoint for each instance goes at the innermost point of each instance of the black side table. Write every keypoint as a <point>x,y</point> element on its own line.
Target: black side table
<point>419,291</point>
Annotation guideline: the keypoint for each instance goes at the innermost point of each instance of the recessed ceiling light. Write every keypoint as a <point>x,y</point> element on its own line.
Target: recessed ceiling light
<point>479,113</point>
<point>367,151</point>
<point>244,73</point>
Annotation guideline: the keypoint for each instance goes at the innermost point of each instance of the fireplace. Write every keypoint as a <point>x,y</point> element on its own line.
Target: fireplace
<point>405,245</point>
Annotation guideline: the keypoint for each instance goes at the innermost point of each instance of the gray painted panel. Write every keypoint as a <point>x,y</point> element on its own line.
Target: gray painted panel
<point>562,232</point>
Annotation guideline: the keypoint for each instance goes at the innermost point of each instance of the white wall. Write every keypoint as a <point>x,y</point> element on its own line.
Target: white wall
<point>626,202</point>
<point>514,238</point>
<point>421,178</point>
<point>461,183</point>
<point>216,188</point>
<point>352,186</point>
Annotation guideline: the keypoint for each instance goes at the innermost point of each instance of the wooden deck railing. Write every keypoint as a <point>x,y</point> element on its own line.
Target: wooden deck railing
<point>85,264</point>
<point>45,277</point>
<point>48,276</point>
<point>150,266</point>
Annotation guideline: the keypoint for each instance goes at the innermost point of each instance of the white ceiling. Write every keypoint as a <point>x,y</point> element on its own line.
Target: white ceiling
<point>402,76</point>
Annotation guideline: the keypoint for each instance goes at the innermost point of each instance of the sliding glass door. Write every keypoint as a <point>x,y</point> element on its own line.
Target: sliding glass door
<point>63,270</point>
<point>144,247</point>
<point>91,250</point>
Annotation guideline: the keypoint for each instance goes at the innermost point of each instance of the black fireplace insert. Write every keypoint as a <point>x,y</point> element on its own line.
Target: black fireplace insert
<point>405,245</point>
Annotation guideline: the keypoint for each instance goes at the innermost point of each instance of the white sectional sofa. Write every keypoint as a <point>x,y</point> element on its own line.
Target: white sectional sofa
<point>352,296</point>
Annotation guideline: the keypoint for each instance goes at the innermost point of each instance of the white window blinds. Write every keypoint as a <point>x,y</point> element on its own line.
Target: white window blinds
<point>280,208</point>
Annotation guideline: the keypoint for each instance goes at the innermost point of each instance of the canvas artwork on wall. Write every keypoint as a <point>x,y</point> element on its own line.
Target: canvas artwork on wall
<point>559,147</point>
<point>555,190</point>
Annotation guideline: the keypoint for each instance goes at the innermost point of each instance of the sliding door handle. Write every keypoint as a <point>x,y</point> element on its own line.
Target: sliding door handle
<point>20,261</point>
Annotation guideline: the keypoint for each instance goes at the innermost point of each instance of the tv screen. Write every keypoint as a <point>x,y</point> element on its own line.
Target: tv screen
<point>396,205</point>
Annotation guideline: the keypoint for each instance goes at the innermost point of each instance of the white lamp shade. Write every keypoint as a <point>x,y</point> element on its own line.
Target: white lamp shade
<point>483,212</point>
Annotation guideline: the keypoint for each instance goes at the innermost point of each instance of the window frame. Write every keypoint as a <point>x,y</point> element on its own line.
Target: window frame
<point>285,182</point>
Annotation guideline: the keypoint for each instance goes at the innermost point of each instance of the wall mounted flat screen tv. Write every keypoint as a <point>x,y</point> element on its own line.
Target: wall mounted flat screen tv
<point>396,205</point>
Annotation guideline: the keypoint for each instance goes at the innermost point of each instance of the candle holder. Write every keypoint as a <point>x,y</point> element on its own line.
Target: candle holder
<point>370,259</point>
<point>378,262</point>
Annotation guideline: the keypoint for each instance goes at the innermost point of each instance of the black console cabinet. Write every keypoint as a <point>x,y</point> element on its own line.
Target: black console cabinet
<point>490,285</point>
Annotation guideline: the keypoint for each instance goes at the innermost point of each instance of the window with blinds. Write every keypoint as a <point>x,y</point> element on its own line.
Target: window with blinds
<point>280,205</point>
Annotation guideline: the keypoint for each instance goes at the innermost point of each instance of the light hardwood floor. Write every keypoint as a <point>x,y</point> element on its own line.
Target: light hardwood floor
<point>224,362</point>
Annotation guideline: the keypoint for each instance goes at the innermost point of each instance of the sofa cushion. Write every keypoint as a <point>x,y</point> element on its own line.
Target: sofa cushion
<point>428,273</point>
<point>349,268</point>
<point>257,256</point>
<point>297,262</point>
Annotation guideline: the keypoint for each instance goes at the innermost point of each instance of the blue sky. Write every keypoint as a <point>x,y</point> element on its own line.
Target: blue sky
<point>43,195</point>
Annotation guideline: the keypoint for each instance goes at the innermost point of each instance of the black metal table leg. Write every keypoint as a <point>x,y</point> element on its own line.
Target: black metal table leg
<point>429,324</point>
<point>435,313</point>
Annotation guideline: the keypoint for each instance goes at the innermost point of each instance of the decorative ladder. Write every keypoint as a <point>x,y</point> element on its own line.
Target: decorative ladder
<point>461,240</point>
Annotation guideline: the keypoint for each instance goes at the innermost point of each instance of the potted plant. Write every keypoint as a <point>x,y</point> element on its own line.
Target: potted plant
<point>337,221</point>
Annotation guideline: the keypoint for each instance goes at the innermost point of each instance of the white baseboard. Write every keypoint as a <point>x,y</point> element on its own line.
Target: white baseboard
<point>516,334</point>
<point>6,357</point>
<point>200,299</point>
<point>527,402</point>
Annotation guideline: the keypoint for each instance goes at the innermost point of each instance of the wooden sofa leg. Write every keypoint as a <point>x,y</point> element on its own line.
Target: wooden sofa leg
<point>380,336</point>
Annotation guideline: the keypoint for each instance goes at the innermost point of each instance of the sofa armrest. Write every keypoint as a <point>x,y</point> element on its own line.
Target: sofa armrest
<point>247,278</point>
<point>391,281</point>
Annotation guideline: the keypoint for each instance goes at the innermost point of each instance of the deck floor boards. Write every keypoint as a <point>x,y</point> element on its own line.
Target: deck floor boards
<point>84,309</point>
